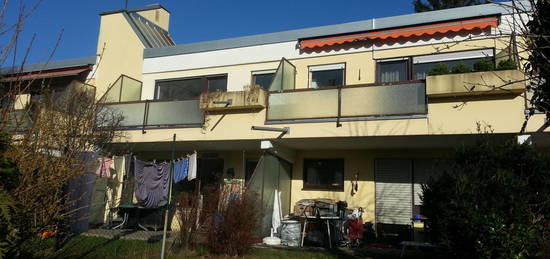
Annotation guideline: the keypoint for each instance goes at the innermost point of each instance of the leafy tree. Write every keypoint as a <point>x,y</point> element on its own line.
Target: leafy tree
<point>538,46</point>
<point>493,203</point>
<point>432,5</point>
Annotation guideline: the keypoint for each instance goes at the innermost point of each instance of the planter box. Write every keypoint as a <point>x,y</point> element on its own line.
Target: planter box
<point>254,99</point>
<point>475,83</point>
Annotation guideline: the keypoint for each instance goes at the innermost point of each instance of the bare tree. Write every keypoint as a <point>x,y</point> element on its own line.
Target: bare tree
<point>52,136</point>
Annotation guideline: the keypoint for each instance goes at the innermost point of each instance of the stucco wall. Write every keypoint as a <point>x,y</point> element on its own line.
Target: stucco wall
<point>120,52</point>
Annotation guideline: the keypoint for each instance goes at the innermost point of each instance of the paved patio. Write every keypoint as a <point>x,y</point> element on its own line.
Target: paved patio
<point>130,234</point>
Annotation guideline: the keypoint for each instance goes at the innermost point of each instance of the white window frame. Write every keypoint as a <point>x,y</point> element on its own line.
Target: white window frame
<point>327,67</point>
<point>469,54</point>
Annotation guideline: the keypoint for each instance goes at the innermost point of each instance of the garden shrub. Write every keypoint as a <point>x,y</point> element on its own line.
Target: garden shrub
<point>439,69</point>
<point>231,221</point>
<point>461,68</point>
<point>507,64</point>
<point>484,65</point>
<point>493,203</point>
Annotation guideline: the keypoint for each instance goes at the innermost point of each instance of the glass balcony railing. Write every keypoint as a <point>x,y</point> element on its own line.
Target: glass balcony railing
<point>399,99</point>
<point>157,113</point>
<point>124,89</point>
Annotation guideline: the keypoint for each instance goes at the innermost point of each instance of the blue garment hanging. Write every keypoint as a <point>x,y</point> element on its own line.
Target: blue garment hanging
<point>180,170</point>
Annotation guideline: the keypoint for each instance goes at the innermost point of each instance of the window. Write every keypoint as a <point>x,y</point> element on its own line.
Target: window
<point>326,75</point>
<point>324,174</point>
<point>396,70</point>
<point>250,166</point>
<point>263,78</point>
<point>422,64</point>
<point>189,88</point>
<point>393,71</point>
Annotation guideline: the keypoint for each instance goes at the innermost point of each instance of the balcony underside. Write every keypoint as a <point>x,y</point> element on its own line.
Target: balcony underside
<point>347,143</point>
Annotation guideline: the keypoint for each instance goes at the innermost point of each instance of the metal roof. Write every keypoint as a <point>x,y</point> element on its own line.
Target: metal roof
<point>150,34</point>
<point>136,9</point>
<point>54,64</point>
<point>359,26</point>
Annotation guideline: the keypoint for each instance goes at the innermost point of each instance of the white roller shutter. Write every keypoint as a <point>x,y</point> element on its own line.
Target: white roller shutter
<point>393,179</point>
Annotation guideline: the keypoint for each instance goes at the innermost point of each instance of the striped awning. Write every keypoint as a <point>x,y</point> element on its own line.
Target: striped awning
<point>428,29</point>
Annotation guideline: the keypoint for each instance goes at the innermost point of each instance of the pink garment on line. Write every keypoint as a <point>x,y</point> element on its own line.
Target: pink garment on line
<point>104,169</point>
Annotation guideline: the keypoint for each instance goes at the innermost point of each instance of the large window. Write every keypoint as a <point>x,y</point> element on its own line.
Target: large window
<point>324,174</point>
<point>393,70</point>
<point>189,88</point>
<point>263,79</point>
<point>396,70</point>
<point>326,75</point>
<point>422,64</point>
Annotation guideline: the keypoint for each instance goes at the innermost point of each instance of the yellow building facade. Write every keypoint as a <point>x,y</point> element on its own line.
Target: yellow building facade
<point>353,112</point>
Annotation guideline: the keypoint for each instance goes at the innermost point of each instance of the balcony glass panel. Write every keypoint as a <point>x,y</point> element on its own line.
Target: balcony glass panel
<point>174,113</point>
<point>132,113</point>
<point>401,99</point>
<point>289,75</point>
<point>131,90</point>
<point>284,78</point>
<point>18,120</point>
<point>303,105</point>
<point>360,101</point>
<point>113,94</point>
<point>125,89</point>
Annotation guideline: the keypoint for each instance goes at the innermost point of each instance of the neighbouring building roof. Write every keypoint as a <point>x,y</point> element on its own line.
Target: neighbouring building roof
<point>51,65</point>
<point>494,9</point>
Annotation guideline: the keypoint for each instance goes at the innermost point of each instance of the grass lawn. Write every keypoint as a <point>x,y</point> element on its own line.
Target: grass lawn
<point>97,247</point>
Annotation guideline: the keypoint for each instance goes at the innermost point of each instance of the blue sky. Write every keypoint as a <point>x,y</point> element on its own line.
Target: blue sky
<point>191,20</point>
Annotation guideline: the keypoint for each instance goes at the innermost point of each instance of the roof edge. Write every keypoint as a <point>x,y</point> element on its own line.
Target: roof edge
<point>343,28</point>
<point>136,9</point>
<point>50,65</point>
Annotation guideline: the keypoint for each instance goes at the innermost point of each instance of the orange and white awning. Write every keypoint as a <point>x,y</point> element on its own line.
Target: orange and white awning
<point>428,29</point>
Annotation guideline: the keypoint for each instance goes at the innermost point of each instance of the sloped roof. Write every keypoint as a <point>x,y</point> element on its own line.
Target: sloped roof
<point>55,64</point>
<point>151,35</point>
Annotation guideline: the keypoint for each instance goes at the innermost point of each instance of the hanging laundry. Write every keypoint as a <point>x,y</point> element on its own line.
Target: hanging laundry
<point>180,170</point>
<point>151,183</point>
<point>104,169</point>
<point>192,172</point>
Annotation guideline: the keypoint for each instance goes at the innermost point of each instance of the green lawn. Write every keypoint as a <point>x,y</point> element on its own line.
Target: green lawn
<point>96,247</point>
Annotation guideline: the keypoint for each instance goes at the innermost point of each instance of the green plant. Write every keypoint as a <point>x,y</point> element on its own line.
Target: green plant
<point>461,68</point>
<point>507,64</point>
<point>439,69</point>
<point>8,228</point>
<point>492,203</point>
<point>484,65</point>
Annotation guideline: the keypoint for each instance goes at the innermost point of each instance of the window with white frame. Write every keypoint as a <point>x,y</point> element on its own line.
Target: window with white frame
<point>327,75</point>
<point>189,88</point>
<point>417,67</point>
<point>263,78</point>
<point>422,64</point>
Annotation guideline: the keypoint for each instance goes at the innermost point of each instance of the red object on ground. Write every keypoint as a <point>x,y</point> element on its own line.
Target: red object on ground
<point>355,230</point>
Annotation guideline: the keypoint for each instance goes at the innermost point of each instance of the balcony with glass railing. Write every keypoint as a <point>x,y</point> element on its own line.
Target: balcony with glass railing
<point>26,106</point>
<point>124,99</point>
<point>286,104</point>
